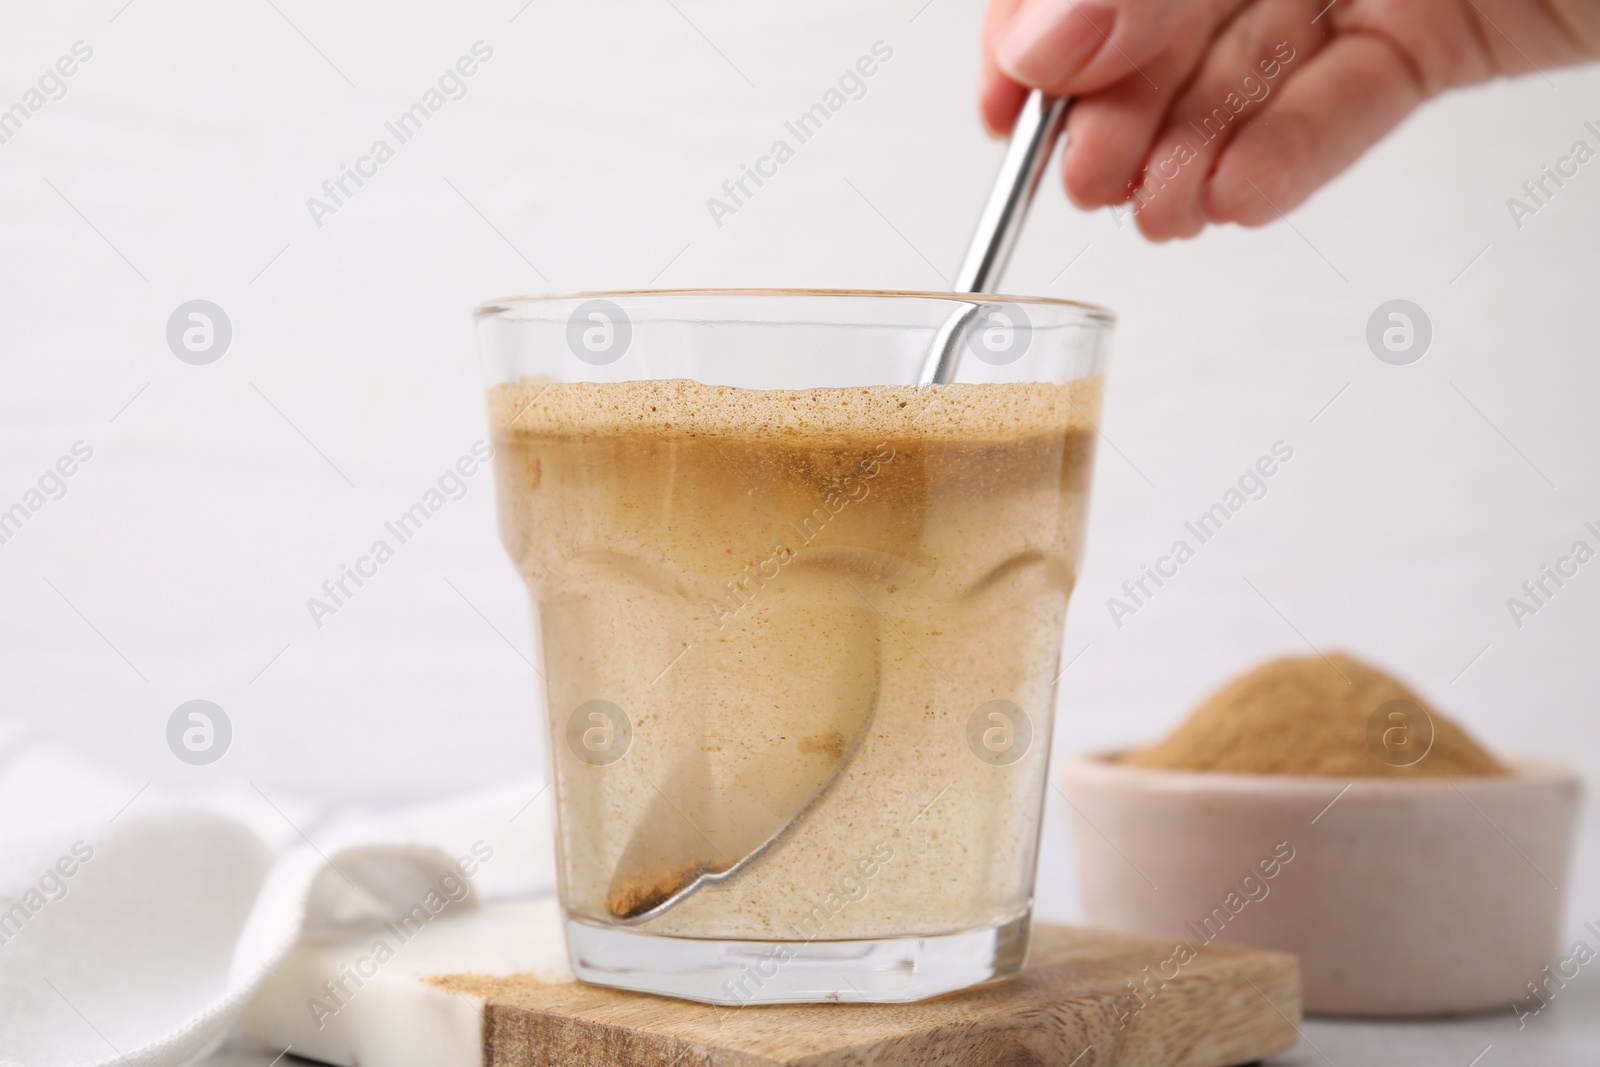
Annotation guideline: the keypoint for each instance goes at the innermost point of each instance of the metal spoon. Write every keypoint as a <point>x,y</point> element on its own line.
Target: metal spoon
<point>662,834</point>
<point>1027,154</point>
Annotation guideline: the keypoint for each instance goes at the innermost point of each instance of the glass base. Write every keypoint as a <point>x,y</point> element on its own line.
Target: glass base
<point>883,971</point>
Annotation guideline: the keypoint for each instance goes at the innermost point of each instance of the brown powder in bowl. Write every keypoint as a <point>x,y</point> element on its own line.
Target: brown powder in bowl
<point>1333,717</point>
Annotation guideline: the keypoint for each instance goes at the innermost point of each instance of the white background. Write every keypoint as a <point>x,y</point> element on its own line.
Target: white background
<point>178,166</point>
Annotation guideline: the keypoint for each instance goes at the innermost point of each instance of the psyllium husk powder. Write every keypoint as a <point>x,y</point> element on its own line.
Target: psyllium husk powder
<point>1332,716</point>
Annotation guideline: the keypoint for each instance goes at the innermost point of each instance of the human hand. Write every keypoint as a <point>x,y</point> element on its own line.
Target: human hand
<point>1204,111</point>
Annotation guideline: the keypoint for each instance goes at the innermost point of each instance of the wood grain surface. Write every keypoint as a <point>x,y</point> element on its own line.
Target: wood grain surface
<point>1072,1006</point>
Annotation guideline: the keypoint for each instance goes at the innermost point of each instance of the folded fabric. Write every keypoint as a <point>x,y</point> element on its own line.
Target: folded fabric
<point>135,925</point>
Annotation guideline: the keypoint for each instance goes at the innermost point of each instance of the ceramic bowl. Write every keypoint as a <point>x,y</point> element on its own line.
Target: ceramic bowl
<point>1402,897</point>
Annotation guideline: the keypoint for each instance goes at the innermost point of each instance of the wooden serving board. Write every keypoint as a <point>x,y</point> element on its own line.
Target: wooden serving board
<point>490,987</point>
<point>1230,1005</point>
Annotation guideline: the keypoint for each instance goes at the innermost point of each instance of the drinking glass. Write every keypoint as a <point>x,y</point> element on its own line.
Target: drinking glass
<point>800,624</point>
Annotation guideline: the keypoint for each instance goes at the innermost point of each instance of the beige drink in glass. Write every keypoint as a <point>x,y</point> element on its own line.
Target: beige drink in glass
<point>800,641</point>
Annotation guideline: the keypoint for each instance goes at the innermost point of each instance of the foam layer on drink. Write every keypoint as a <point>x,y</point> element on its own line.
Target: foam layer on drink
<point>682,406</point>
<point>801,601</point>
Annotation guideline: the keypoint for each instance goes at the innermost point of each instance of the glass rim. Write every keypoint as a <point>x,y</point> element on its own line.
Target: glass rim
<point>1095,312</point>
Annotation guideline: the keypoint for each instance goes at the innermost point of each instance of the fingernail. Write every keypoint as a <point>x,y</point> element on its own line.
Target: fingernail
<point>1050,40</point>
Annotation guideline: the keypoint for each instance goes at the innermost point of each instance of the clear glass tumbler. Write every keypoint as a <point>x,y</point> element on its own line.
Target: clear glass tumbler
<point>801,624</point>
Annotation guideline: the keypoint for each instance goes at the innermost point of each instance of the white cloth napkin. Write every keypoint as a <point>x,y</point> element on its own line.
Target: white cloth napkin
<point>135,925</point>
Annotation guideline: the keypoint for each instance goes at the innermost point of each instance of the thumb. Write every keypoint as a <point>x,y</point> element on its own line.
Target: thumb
<point>1072,47</point>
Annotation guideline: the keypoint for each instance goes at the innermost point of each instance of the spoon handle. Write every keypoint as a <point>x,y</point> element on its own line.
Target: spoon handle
<point>1027,154</point>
